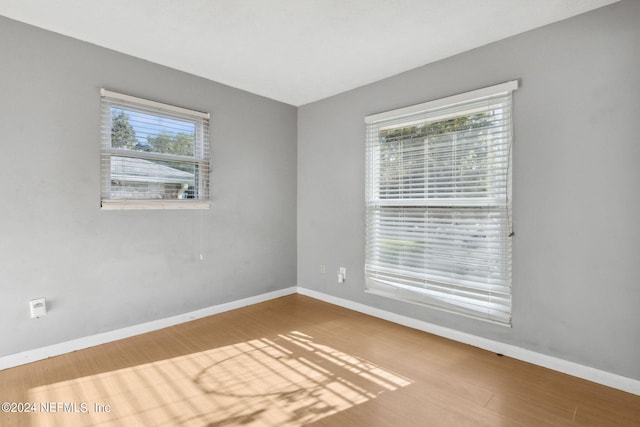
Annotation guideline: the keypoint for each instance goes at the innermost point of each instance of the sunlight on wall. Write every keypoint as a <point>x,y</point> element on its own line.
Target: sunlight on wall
<point>284,381</point>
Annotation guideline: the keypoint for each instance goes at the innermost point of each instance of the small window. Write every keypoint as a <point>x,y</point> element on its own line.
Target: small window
<point>438,203</point>
<point>154,155</point>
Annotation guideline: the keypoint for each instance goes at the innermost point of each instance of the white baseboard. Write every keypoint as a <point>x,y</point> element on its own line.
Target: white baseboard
<point>571,368</point>
<point>105,337</point>
<point>585,372</point>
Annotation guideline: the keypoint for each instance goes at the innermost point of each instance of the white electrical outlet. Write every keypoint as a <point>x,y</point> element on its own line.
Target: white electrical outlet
<point>38,307</point>
<point>323,268</point>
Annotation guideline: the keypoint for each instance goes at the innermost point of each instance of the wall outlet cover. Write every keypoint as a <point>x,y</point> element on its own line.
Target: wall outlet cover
<point>38,307</point>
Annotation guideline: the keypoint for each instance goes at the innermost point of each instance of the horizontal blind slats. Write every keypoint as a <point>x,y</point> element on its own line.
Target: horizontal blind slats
<point>438,205</point>
<point>152,151</point>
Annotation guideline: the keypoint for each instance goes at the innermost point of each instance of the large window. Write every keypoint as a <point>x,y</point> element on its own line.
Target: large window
<point>438,203</point>
<point>154,156</point>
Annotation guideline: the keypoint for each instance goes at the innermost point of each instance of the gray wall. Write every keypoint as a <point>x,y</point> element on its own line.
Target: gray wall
<point>576,199</point>
<point>576,252</point>
<point>103,270</point>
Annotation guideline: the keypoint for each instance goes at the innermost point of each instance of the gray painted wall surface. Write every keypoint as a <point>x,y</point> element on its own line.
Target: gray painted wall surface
<point>576,250</point>
<point>576,199</point>
<point>103,270</point>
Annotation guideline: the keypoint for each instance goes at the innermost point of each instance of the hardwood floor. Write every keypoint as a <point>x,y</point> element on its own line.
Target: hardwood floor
<point>294,361</point>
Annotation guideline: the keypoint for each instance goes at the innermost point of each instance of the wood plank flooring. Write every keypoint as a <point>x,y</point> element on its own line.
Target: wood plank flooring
<point>298,361</point>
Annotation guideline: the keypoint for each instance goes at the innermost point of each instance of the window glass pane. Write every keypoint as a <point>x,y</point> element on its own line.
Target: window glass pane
<point>443,244</point>
<point>133,178</point>
<point>441,159</point>
<point>141,131</point>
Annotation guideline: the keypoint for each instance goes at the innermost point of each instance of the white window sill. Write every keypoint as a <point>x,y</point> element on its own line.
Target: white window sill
<point>153,204</point>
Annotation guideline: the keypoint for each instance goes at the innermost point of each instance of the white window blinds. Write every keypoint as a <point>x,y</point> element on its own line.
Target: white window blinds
<point>154,155</point>
<point>438,203</point>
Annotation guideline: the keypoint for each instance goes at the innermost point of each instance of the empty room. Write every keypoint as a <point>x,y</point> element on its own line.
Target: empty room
<point>312,212</point>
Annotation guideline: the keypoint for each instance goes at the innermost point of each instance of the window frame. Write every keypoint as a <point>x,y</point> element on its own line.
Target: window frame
<point>415,286</point>
<point>200,159</point>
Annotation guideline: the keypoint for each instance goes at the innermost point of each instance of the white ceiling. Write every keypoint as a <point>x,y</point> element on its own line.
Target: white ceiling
<point>294,51</point>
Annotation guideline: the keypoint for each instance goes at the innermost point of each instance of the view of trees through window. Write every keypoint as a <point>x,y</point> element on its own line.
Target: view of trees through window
<point>151,177</point>
<point>133,130</point>
<point>439,161</point>
<point>419,164</point>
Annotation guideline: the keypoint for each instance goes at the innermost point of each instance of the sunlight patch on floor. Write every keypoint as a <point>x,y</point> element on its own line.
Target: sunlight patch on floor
<point>286,380</point>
